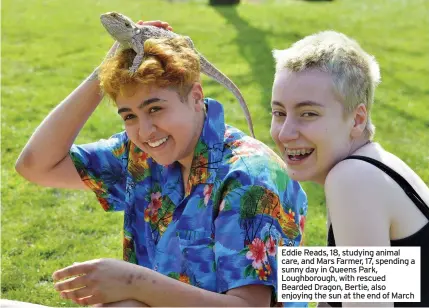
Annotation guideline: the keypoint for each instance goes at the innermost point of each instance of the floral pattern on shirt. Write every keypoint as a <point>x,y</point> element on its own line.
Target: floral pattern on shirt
<point>219,230</point>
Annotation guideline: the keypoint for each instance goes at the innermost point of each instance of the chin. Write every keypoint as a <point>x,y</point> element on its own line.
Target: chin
<point>300,175</point>
<point>164,161</point>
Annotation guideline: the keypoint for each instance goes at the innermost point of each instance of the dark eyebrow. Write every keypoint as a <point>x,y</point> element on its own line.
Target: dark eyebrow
<point>276,103</point>
<point>151,101</point>
<point>143,104</point>
<point>308,104</point>
<point>300,104</point>
<point>124,109</point>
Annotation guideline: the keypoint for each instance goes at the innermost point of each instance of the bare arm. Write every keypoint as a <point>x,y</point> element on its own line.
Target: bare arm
<point>44,159</point>
<point>124,303</point>
<point>176,293</point>
<point>355,197</point>
<point>109,280</point>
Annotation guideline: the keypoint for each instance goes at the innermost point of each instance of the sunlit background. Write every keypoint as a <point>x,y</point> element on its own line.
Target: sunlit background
<point>50,46</point>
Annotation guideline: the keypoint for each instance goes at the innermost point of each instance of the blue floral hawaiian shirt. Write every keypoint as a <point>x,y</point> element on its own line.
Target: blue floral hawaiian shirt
<point>220,230</point>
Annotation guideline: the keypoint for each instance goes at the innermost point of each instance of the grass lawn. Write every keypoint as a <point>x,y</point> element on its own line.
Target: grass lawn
<point>49,46</point>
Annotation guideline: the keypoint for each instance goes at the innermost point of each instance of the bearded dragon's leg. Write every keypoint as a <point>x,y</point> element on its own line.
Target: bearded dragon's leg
<point>138,59</point>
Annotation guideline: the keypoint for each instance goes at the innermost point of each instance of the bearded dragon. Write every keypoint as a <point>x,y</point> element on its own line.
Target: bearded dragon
<point>130,35</point>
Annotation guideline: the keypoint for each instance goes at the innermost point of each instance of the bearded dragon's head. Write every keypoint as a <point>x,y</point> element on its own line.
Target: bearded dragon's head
<point>119,26</point>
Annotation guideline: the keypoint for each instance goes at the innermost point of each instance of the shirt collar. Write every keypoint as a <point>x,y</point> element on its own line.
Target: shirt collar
<point>208,152</point>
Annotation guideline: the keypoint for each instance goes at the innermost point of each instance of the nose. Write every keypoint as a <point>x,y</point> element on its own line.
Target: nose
<point>146,129</point>
<point>288,131</point>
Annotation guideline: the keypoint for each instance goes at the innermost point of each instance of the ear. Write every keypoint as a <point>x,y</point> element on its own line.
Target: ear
<point>359,121</point>
<point>196,96</point>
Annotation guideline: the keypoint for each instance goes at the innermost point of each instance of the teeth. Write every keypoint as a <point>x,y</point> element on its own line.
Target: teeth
<point>157,143</point>
<point>298,152</point>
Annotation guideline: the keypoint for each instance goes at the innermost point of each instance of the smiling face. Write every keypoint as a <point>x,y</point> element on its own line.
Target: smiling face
<point>163,126</point>
<point>308,124</point>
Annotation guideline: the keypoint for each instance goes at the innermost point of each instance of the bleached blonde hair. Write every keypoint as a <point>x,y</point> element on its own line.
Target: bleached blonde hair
<point>355,73</point>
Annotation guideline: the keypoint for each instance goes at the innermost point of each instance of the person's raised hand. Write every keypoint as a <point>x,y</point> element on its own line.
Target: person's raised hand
<point>155,23</point>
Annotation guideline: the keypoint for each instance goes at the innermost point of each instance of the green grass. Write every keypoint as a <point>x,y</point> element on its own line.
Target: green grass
<point>49,46</point>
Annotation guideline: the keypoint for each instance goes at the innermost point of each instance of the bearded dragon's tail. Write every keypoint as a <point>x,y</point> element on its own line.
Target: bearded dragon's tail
<point>211,71</point>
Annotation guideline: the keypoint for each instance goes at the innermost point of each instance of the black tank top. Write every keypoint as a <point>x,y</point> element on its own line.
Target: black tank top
<point>420,238</point>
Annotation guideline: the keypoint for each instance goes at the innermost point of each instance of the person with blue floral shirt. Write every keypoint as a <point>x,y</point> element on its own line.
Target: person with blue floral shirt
<point>205,206</point>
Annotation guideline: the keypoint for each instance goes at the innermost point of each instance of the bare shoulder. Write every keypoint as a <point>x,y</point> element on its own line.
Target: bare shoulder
<point>354,175</point>
<point>360,170</point>
<point>356,196</point>
<point>355,186</point>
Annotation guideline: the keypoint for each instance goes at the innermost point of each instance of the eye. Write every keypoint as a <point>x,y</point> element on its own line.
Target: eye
<point>309,114</point>
<point>278,114</point>
<point>127,24</point>
<point>129,117</point>
<point>154,109</point>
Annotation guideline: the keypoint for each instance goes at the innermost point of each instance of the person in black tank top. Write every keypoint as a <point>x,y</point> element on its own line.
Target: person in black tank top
<point>322,97</point>
<point>420,238</point>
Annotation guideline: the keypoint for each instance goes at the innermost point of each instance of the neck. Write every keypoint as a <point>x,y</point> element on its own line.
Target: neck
<point>354,146</point>
<point>186,162</point>
<point>357,144</point>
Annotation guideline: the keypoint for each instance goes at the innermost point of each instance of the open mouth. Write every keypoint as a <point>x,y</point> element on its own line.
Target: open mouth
<point>298,155</point>
<point>158,143</point>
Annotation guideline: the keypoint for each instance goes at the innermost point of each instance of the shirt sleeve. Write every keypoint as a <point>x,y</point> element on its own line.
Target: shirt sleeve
<point>102,166</point>
<point>252,222</point>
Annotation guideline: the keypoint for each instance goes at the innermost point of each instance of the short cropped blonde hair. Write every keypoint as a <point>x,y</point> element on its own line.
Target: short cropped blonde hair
<point>355,73</point>
<point>167,63</point>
